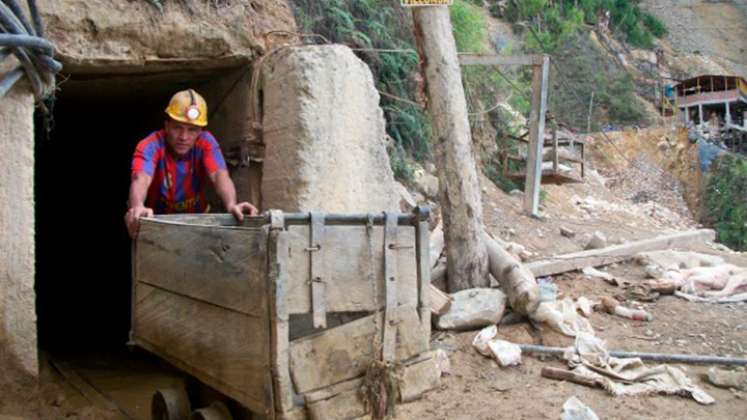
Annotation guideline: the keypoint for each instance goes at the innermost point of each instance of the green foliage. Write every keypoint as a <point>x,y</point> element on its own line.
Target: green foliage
<point>378,24</point>
<point>726,200</point>
<point>494,171</point>
<point>654,25</point>
<point>400,166</point>
<point>617,97</point>
<point>468,23</point>
<point>557,21</point>
<point>581,68</point>
<point>525,9</point>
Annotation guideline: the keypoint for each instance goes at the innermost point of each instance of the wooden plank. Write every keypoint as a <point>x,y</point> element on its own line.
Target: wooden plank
<point>390,286</point>
<point>616,253</point>
<point>498,60</point>
<point>317,252</point>
<point>344,352</point>
<point>555,160</point>
<point>226,349</point>
<point>536,137</point>
<point>347,285</point>
<point>440,301</point>
<point>424,274</point>
<point>218,265</point>
<point>279,323</point>
<point>331,391</point>
<point>86,389</point>
<point>418,379</point>
<point>342,401</point>
<point>345,405</point>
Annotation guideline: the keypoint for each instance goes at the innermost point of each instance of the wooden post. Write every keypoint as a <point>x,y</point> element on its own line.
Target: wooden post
<point>588,117</point>
<point>555,159</point>
<point>536,137</point>
<point>460,196</point>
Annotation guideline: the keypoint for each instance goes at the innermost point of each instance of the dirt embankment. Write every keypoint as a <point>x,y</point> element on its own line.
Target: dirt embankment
<point>657,164</point>
<point>87,32</point>
<point>704,35</point>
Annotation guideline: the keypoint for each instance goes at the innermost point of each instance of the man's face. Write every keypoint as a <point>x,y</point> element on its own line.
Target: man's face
<point>181,137</point>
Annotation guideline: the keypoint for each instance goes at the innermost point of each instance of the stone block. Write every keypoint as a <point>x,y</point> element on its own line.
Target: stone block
<point>324,134</point>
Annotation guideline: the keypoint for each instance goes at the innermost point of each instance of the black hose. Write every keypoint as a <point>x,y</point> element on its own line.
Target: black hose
<point>13,5</point>
<point>27,41</point>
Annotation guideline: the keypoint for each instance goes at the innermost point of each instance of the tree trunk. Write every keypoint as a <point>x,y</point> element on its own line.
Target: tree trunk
<point>517,282</point>
<point>457,173</point>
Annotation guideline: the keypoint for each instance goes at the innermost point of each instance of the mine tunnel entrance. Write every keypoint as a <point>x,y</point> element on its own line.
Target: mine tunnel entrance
<point>83,264</point>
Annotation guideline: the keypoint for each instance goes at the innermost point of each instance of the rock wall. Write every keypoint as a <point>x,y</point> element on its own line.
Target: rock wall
<point>324,134</point>
<point>18,351</point>
<point>96,32</point>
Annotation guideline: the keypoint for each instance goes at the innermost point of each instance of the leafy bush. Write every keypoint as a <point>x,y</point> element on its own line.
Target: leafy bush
<point>726,200</point>
<point>617,96</point>
<point>468,25</point>
<point>562,19</point>
<point>654,25</point>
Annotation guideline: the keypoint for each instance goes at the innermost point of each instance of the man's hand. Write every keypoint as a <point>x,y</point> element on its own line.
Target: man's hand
<point>132,218</point>
<point>239,210</point>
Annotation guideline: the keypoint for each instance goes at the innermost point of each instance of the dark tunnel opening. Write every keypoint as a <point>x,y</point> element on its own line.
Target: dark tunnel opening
<point>83,263</point>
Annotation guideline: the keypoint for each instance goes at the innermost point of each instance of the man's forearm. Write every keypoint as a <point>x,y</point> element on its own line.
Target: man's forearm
<point>225,189</point>
<point>139,190</point>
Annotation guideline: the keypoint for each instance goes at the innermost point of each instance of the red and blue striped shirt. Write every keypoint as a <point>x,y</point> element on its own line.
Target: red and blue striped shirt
<point>178,183</point>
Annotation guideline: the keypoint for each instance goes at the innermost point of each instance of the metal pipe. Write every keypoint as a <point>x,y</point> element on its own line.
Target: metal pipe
<point>403,219</point>
<point>27,41</point>
<point>659,357</point>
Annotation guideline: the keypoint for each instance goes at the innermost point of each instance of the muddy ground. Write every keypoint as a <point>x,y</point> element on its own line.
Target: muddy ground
<point>477,388</point>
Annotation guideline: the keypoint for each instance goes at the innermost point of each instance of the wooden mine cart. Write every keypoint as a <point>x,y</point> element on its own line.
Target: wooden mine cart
<point>283,314</point>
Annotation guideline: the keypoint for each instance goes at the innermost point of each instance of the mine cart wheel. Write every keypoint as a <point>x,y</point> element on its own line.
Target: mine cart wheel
<point>215,411</point>
<point>170,404</point>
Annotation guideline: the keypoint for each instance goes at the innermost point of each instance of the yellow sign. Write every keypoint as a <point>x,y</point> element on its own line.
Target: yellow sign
<point>413,3</point>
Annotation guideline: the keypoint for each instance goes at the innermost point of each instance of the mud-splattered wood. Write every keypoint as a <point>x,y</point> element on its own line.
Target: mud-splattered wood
<point>345,352</point>
<point>345,405</point>
<point>347,286</point>
<point>226,349</point>
<point>343,401</point>
<point>424,274</point>
<point>418,379</point>
<point>390,284</point>
<point>317,253</point>
<point>222,266</point>
<point>278,277</point>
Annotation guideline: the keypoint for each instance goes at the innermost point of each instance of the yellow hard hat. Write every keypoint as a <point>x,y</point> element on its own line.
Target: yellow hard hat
<point>188,107</point>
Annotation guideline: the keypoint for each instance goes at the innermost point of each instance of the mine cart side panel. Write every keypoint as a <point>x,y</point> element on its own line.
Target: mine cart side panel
<point>220,265</point>
<point>345,352</point>
<point>200,302</point>
<point>348,264</point>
